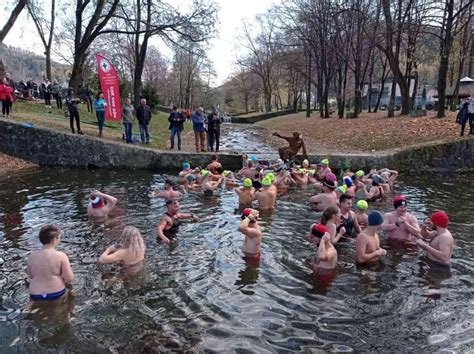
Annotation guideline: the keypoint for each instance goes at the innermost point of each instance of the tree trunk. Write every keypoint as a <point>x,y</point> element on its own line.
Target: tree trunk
<point>415,88</point>
<point>308,88</point>
<point>391,102</point>
<point>11,20</point>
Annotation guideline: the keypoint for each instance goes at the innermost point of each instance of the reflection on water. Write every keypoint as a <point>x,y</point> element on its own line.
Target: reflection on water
<point>200,294</point>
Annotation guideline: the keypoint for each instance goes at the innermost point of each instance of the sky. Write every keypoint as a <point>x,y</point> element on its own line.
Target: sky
<point>223,50</point>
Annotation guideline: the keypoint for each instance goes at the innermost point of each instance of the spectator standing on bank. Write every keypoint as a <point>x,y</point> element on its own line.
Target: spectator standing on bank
<point>6,96</point>
<point>199,130</point>
<point>47,93</point>
<point>87,97</point>
<point>144,114</point>
<point>72,101</point>
<point>100,104</point>
<point>128,117</point>
<point>56,90</point>
<point>470,114</point>
<point>176,120</point>
<point>214,129</point>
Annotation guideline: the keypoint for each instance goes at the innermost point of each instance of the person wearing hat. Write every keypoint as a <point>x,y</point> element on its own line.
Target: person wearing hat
<point>440,247</point>
<point>208,186</point>
<point>316,233</point>
<point>351,188</point>
<point>190,183</point>
<point>266,196</point>
<point>327,198</point>
<point>400,224</point>
<point>361,213</point>
<point>100,205</point>
<point>253,235</point>
<point>388,175</point>
<point>229,179</point>
<point>346,169</point>
<point>168,193</point>
<point>283,181</point>
<point>300,177</point>
<point>324,169</point>
<point>247,171</point>
<point>295,143</point>
<point>170,221</point>
<point>368,249</point>
<point>246,193</point>
<point>184,172</point>
<point>326,254</point>
<point>376,192</point>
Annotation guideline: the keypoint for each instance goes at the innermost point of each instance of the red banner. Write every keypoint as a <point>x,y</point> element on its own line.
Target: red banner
<point>109,84</point>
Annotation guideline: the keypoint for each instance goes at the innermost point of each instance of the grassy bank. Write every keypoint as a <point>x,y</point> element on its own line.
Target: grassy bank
<point>38,114</point>
<point>371,132</point>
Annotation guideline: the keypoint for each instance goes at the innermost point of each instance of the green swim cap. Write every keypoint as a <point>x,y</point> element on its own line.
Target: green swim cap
<point>271,176</point>
<point>247,182</point>
<point>311,172</point>
<point>360,173</point>
<point>342,189</point>
<point>305,162</point>
<point>226,173</point>
<point>325,162</point>
<point>362,205</point>
<point>266,182</point>
<point>301,170</point>
<point>345,165</point>
<point>204,173</point>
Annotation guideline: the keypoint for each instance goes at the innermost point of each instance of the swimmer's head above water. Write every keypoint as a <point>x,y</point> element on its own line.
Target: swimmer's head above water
<point>96,201</point>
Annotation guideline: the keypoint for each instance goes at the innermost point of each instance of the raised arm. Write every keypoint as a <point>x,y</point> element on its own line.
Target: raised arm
<point>111,201</point>
<point>111,255</point>
<point>248,231</point>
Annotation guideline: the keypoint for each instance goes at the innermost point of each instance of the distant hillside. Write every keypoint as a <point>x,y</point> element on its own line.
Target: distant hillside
<point>23,64</point>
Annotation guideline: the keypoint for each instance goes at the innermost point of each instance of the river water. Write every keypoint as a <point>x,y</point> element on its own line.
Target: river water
<point>198,294</point>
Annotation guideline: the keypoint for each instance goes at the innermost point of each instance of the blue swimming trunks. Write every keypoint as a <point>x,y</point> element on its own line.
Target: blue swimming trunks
<point>51,296</point>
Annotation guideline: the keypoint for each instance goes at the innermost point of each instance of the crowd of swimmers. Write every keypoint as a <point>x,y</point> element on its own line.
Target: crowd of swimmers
<point>343,200</point>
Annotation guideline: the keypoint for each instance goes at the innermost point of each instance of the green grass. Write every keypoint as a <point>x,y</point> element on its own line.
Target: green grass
<point>158,126</point>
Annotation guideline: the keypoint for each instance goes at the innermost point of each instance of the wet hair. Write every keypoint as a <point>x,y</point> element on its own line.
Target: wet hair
<point>328,213</point>
<point>49,233</point>
<point>132,240</point>
<point>169,182</point>
<point>214,157</point>
<point>344,197</point>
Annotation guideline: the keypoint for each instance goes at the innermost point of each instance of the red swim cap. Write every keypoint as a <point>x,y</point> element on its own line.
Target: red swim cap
<point>399,200</point>
<point>319,230</point>
<point>246,212</point>
<point>440,219</point>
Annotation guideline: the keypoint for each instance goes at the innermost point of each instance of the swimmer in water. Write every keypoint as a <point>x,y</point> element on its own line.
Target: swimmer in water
<point>332,218</point>
<point>376,192</point>
<point>229,179</point>
<point>368,249</point>
<point>184,172</point>
<point>190,183</point>
<point>100,205</point>
<point>208,186</point>
<point>400,224</point>
<point>316,233</point>
<point>168,193</point>
<point>49,271</point>
<point>246,193</point>
<point>440,247</point>
<point>351,188</point>
<point>130,250</point>
<point>266,196</point>
<point>326,254</point>
<point>361,213</point>
<point>283,181</point>
<point>324,170</point>
<point>348,217</point>
<point>170,221</point>
<point>253,235</point>
<point>214,165</point>
<point>327,198</point>
<point>247,171</point>
<point>300,177</point>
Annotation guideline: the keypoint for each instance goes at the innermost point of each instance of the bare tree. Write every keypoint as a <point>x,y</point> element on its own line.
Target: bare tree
<point>11,20</point>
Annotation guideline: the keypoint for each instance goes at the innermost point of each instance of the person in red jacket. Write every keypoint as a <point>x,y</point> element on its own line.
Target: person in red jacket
<point>6,97</point>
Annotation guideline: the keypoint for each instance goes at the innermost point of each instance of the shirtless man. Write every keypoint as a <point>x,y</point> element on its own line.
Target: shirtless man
<point>316,233</point>
<point>49,270</point>
<point>351,188</point>
<point>440,247</point>
<point>214,165</point>
<point>170,221</point>
<point>168,193</point>
<point>184,172</point>
<point>100,205</point>
<point>283,181</point>
<point>300,177</point>
<point>361,213</point>
<point>324,170</point>
<point>327,254</point>
<point>295,143</point>
<point>267,195</point>
<point>325,199</point>
<point>368,249</point>
<point>400,224</point>
<point>229,179</point>
<point>208,186</point>
<point>253,235</point>
<point>246,193</point>
<point>247,171</point>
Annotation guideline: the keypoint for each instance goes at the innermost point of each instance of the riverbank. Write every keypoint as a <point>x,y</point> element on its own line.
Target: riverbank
<point>370,133</point>
<point>10,163</point>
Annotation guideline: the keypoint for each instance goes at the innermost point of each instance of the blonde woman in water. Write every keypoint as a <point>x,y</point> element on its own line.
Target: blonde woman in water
<point>130,250</point>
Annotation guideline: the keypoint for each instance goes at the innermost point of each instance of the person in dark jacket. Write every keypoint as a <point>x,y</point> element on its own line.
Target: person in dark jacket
<point>72,101</point>
<point>214,128</point>
<point>176,120</point>
<point>143,113</point>
<point>462,116</point>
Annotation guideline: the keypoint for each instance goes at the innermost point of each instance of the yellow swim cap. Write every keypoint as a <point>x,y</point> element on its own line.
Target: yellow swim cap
<point>360,173</point>
<point>342,189</point>
<point>362,205</point>
<point>226,173</point>
<point>247,182</point>
<point>311,172</point>
<point>204,173</point>
<point>266,182</point>
<point>305,162</point>
<point>271,176</point>
<point>325,162</point>
<point>301,170</point>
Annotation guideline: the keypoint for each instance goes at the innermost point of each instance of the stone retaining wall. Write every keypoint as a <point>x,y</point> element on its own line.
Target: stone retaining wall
<point>260,117</point>
<point>52,148</point>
